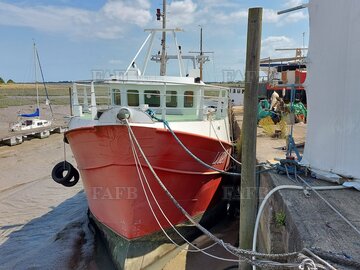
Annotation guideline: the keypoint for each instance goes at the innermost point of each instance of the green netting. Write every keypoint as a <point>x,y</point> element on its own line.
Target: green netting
<point>263,109</point>
<point>299,108</point>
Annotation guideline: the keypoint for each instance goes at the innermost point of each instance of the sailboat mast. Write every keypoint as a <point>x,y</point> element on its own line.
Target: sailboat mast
<point>201,55</point>
<point>36,84</point>
<point>163,43</point>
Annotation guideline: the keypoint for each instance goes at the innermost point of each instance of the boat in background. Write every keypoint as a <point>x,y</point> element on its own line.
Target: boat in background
<point>32,121</point>
<point>169,116</point>
<point>283,74</point>
<point>29,124</point>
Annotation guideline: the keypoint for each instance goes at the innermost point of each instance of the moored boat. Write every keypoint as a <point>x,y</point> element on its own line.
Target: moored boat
<point>32,121</point>
<point>182,129</point>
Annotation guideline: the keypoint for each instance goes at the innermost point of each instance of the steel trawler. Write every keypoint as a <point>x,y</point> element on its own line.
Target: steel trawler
<point>174,128</point>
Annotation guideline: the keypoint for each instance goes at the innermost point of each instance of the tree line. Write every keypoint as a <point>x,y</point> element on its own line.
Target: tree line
<point>8,81</point>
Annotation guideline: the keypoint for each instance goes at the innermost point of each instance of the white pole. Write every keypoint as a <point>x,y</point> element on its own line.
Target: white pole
<point>137,54</point>
<point>93,102</point>
<point>148,52</point>
<point>86,102</point>
<point>178,55</point>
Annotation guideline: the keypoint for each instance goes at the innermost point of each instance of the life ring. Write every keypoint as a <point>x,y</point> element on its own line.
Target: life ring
<point>70,178</point>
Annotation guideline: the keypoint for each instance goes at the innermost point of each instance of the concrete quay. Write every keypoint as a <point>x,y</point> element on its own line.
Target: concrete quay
<point>292,220</point>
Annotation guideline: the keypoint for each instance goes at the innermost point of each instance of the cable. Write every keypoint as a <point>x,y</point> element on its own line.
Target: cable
<point>331,206</point>
<point>271,192</point>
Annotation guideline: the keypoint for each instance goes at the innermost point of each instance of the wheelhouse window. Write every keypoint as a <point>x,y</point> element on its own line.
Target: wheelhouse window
<point>152,98</point>
<point>116,96</point>
<point>188,99</point>
<point>171,99</point>
<point>133,97</point>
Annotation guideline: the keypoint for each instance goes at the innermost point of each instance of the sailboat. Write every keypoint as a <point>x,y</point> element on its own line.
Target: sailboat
<point>29,121</point>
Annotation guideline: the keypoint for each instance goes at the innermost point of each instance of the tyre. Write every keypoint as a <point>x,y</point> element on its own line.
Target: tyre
<point>62,172</point>
<point>74,179</point>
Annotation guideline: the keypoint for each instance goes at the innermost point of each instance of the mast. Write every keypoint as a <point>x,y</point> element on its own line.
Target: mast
<point>43,80</point>
<point>36,84</point>
<point>163,43</point>
<point>201,55</point>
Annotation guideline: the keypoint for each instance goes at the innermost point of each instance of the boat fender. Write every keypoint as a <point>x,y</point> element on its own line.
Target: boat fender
<point>70,173</point>
<point>73,180</point>
<point>123,114</point>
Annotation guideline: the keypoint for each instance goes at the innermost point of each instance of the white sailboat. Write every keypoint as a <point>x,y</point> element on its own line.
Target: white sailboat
<point>32,120</point>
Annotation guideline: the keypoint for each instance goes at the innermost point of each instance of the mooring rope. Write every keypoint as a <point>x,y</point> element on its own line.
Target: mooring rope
<point>142,177</point>
<point>330,205</point>
<point>219,140</point>
<point>241,253</point>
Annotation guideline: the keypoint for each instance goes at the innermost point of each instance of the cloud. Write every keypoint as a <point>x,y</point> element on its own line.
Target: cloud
<point>271,43</point>
<point>271,16</point>
<point>181,13</point>
<point>232,17</point>
<point>109,22</point>
<point>133,12</point>
<point>293,3</point>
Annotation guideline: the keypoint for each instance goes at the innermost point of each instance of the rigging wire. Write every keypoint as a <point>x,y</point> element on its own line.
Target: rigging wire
<point>43,80</point>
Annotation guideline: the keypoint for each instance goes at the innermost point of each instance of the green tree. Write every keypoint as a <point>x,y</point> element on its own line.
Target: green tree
<point>1,80</point>
<point>10,81</point>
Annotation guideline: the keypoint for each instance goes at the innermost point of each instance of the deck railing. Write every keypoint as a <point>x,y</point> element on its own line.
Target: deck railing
<point>191,101</point>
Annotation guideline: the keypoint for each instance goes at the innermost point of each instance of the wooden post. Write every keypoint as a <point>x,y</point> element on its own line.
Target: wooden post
<point>248,198</point>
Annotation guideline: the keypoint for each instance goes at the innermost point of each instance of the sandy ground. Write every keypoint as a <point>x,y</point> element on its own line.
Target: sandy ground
<point>43,225</point>
<point>34,210</point>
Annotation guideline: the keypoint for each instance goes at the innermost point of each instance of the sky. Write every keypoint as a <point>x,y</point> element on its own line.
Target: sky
<point>78,38</point>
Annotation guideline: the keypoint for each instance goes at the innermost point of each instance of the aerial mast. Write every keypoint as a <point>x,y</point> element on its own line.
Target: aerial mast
<point>201,58</point>
<point>163,40</point>
<point>201,55</point>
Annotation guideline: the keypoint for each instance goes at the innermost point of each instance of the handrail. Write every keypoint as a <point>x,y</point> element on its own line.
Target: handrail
<point>202,96</point>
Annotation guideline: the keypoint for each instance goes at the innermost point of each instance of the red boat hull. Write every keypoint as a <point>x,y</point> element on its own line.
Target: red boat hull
<point>112,185</point>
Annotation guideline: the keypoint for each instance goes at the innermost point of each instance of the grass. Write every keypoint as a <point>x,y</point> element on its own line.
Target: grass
<point>28,89</point>
<point>19,94</point>
<point>280,219</point>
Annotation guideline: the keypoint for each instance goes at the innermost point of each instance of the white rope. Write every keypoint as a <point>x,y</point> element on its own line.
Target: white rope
<point>234,159</point>
<point>308,264</point>
<point>192,155</point>
<point>236,251</point>
<point>331,206</point>
<point>271,192</point>
<point>141,174</point>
